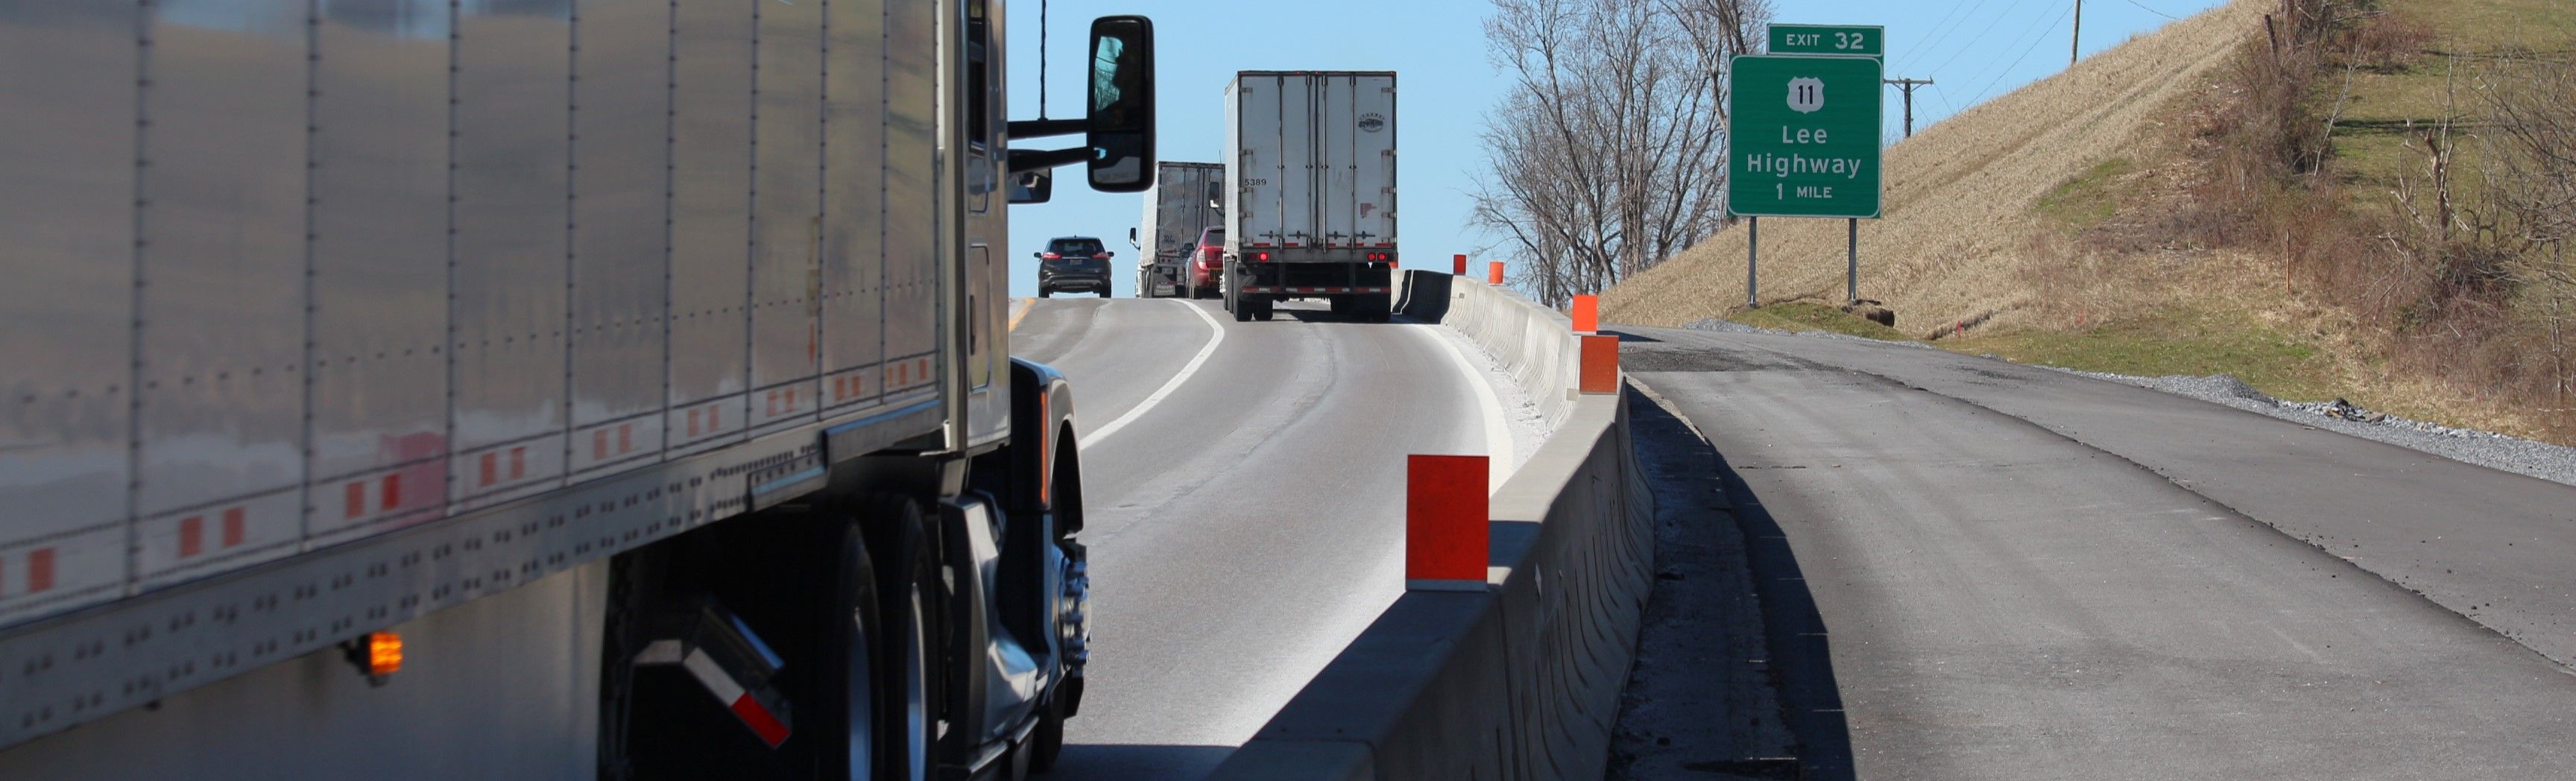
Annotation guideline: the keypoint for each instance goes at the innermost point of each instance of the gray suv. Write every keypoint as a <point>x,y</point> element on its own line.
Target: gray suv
<point>1073,263</point>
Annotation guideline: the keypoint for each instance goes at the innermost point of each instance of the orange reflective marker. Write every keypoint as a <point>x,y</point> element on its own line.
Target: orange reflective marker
<point>1600,373</point>
<point>384,653</point>
<point>1461,261</point>
<point>1445,535</point>
<point>1587,314</point>
<point>1494,273</point>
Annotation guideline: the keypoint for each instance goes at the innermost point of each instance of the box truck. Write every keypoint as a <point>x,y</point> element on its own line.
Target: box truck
<point>1310,191</point>
<point>532,389</point>
<point>1184,203</point>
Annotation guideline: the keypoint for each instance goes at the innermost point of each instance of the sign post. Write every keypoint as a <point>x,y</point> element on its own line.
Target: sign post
<point>1803,141</point>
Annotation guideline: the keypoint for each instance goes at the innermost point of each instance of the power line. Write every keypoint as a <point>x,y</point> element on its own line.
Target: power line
<point>1990,27</point>
<point>2143,7</point>
<point>1931,40</point>
<point>2030,33</point>
<point>2025,54</point>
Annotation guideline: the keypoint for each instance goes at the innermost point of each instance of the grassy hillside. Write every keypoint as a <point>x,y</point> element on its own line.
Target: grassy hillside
<point>2179,205</point>
<point>1960,194</point>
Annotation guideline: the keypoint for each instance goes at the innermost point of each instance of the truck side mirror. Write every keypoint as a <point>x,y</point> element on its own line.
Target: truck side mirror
<point>1120,126</point>
<point>1033,186</point>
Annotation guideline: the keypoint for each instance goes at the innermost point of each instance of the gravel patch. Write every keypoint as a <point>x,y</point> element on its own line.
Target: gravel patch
<point>2555,463</point>
<point>1732,327</point>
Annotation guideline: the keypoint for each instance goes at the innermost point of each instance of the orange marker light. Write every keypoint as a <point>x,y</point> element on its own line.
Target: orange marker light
<point>384,653</point>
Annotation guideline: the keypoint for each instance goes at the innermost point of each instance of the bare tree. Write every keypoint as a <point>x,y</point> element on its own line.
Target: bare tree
<point>2530,178</point>
<point>1607,155</point>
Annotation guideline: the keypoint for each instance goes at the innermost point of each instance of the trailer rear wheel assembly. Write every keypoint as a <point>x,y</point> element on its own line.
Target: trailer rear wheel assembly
<point>802,593</point>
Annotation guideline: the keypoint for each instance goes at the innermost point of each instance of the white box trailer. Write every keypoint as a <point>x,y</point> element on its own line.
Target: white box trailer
<point>1310,190</point>
<point>398,389</point>
<point>1187,197</point>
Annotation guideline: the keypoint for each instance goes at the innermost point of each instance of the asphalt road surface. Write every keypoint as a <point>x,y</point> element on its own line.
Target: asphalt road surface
<point>1248,522</point>
<point>1972,569</point>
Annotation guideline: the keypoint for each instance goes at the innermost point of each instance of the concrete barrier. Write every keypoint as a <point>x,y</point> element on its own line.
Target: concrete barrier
<point>1521,679</point>
<point>1535,344</point>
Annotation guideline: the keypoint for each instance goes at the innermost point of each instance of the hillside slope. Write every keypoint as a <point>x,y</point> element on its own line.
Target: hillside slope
<point>1956,243</point>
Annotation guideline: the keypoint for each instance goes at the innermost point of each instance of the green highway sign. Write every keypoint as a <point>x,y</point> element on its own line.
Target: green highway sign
<point>1831,40</point>
<point>1802,140</point>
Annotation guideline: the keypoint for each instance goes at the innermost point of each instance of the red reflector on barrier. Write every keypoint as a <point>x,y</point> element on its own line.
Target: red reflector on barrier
<point>1494,273</point>
<point>1461,262</point>
<point>1587,314</point>
<point>1600,373</point>
<point>1445,517</point>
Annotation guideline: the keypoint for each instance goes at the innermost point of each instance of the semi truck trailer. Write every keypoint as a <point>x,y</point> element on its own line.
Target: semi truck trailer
<point>1310,191</point>
<point>1185,201</point>
<point>532,389</point>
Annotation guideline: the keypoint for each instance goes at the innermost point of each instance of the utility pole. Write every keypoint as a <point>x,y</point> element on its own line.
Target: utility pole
<point>2075,43</point>
<point>1908,85</point>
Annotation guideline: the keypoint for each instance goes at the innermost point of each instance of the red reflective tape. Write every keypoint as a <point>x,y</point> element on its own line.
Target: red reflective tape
<point>491,468</point>
<point>392,491</point>
<point>599,445</point>
<point>625,438</point>
<point>40,570</point>
<point>693,421</point>
<point>192,535</point>
<point>1599,364</point>
<point>518,462</point>
<point>353,499</point>
<point>1445,517</point>
<point>236,527</point>
<point>759,720</point>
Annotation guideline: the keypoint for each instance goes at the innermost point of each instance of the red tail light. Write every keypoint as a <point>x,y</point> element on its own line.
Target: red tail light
<point>1100,256</point>
<point>1262,256</point>
<point>1050,256</point>
<point>1381,257</point>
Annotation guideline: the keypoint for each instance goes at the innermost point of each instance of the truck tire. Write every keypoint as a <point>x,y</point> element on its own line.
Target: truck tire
<point>806,583</point>
<point>1104,291</point>
<point>1043,291</point>
<point>908,590</point>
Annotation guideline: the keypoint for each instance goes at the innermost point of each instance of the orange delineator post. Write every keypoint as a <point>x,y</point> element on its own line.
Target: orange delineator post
<point>1461,261</point>
<point>1494,273</point>
<point>1600,367</point>
<point>1587,314</point>
<point>1446,541</point>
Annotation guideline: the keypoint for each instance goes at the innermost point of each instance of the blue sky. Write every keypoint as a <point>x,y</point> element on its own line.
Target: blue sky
<point>1973,50</point>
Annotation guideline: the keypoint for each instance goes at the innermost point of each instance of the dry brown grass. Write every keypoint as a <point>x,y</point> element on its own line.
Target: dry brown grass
<point>1956,241</point>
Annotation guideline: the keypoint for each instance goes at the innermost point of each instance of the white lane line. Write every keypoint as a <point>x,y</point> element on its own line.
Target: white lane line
<point>1499,461</point>
<point>1216,335</point>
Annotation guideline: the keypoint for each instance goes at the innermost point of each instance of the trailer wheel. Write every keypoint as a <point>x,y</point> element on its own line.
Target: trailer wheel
<point>908,587</point>
<point>1044,292</point>
<point>804,582</point>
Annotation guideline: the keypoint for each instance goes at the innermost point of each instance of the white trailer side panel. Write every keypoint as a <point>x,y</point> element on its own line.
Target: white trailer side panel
<point>854,204</point>
<point>378,380</point>
<point>710,224</point>
<point>221,257</point>
<point>67,310</point>
<point>507,354</point>
<point>912,198</point>
<point>621,233</point>
<point>786,299</point>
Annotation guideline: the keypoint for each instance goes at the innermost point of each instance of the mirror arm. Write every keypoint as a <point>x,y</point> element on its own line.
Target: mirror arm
<point>1036,160</point>
<point>1046,128</point>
